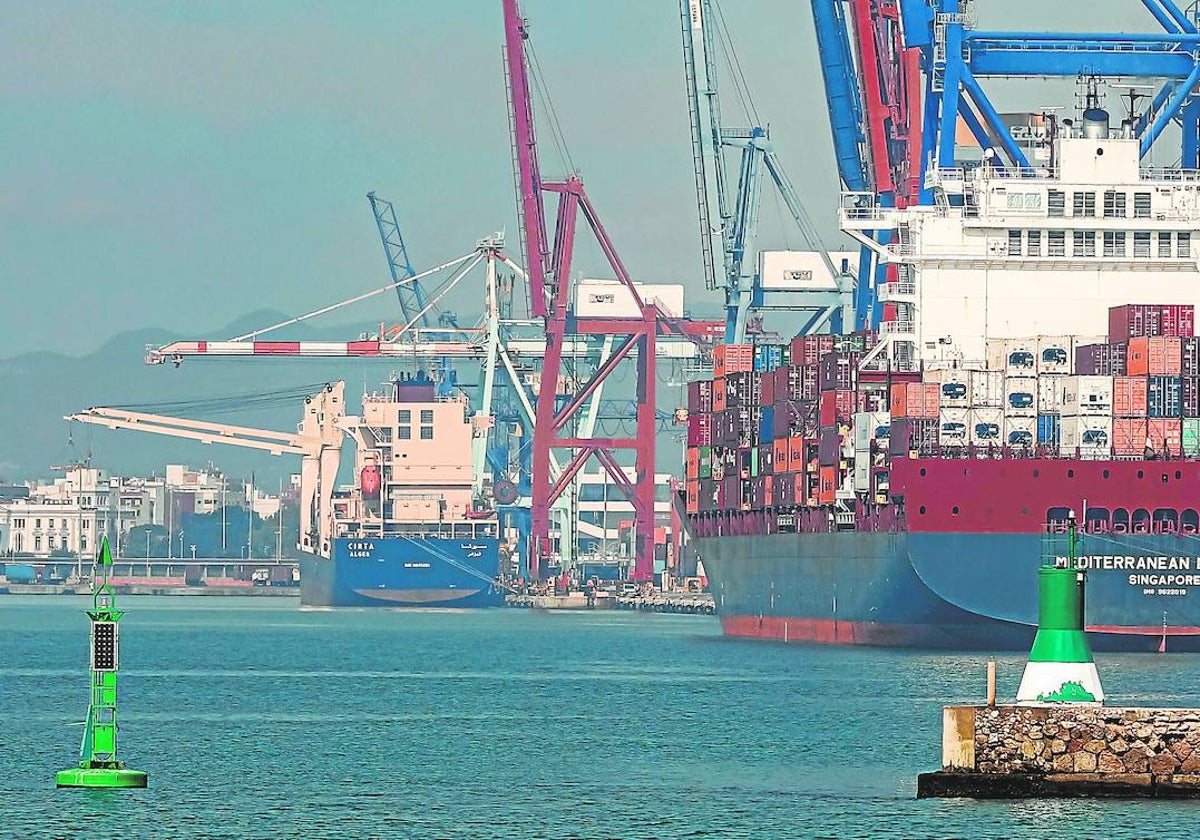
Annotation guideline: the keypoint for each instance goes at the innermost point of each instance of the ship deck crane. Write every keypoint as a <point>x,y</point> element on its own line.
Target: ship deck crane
<point>318,442</point>
<point>728,218</point>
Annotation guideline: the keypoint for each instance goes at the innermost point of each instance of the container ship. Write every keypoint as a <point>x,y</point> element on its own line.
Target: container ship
<point>901,487</point>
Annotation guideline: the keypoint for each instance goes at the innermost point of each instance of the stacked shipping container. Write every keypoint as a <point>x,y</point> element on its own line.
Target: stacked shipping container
<point>782,426</point>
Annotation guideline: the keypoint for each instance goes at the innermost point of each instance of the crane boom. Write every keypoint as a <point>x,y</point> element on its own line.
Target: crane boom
<point>318,442</point>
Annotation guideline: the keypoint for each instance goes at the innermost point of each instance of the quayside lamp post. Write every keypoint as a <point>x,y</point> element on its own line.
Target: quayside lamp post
<point>98,764</point>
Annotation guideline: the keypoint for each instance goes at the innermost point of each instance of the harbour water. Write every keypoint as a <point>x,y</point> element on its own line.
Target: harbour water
<point>257,719</point>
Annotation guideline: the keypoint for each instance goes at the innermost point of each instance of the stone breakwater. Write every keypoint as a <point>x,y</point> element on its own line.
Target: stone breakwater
<point>1015,739</point>
<point>1020,751</point>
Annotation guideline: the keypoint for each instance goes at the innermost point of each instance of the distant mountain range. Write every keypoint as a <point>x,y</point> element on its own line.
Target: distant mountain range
<point>39,389</point>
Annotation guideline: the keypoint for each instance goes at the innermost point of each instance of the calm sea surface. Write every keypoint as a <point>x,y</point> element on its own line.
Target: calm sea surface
<point>257,719</point>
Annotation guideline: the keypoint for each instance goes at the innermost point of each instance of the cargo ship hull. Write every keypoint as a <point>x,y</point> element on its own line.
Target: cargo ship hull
<point>947,590</point>
<point>403,572</point>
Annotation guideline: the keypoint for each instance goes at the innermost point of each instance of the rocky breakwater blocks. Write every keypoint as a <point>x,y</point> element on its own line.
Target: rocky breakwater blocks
<point>1022,751</point>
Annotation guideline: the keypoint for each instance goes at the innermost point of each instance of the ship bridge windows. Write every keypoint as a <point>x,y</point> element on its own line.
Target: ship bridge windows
<point>1164,245</point>
<point>1083,243</point>
<point>1033,243</point>
<point>1057,242</point>
<point>1141,243</point>
<point>1141,205</point>
<point>1083,203</point>
<point>1114,204</point>
<point>1014,243</point>
<point>1114,243</point>
<point>1056,203</point>
<point>1139,523</point>
<point>1183,244</point>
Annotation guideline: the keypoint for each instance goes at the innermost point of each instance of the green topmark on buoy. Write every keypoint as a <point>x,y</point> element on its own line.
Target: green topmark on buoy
<point>1060,667</point>
<point>98,765</point>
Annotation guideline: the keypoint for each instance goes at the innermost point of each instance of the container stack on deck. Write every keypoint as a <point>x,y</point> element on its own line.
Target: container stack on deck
<point>791,425</point>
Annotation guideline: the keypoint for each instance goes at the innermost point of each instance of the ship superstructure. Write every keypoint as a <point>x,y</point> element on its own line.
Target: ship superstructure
<point>1043,251</point>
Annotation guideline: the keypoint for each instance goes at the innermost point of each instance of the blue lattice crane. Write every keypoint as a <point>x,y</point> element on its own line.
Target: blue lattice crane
<point>412,297</point>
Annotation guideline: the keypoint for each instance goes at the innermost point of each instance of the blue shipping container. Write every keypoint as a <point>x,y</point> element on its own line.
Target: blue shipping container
<point>1049,428</point>
<point>766,424</point>
<point>1164,396</point>
<point>768,357</point>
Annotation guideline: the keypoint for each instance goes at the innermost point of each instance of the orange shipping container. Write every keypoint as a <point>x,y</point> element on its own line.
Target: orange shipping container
<point>1165,435</point>
<point>769,490</point>
<point>899,403</point>
<point>719,402</point>
<point>796,455</point>
<point>827,489</point>
<point>781,456</point>
<point>1156,356</point>
<point>1129,397</point>
<point>1137,357</point>
<point>1129,435</point>
<point>693,497</point>
<point>1166,356</point>
<point>693,463</point>
<point>931,398</point>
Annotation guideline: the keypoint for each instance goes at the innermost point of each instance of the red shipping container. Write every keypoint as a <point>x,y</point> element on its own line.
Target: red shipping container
<point>769,491</point>
<point>693,496</point>
<point>915,399</point>
<point>1177,320</point>
<point>808,349</point>
<point>1129,396</point>
<point>1165,435</point>
<point>837,407</point>
<point>798,489</point>
<point>766,395</point>
<point>719,403</point>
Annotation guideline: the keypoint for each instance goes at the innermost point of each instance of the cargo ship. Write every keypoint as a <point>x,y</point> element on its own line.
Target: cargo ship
<point>901,487</point>
<point>413,530</point>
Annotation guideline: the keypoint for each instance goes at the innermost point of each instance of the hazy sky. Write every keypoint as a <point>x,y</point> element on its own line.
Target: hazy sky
<point>178,164</point>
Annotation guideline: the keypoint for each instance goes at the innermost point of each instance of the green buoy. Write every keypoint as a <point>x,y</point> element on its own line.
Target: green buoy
<point>98,765</point>
<point>1060,667</point>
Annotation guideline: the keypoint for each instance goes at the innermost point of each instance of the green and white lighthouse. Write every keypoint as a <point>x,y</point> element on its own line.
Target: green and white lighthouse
<point>1060,667</point>
<point>98,765</point>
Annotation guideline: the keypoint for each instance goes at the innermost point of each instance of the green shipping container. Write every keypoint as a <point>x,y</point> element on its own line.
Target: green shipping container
<point>705,461</point>
<point>754,462</point>
<point>1191,437</point>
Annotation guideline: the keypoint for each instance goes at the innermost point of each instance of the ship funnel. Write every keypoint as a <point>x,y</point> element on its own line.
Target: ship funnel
<point>1127,129</point>
<point>1068,128</point>
<point>1095,124</point>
